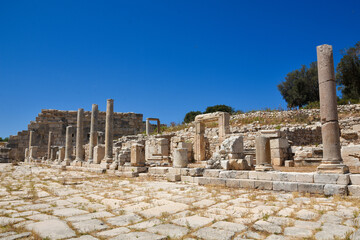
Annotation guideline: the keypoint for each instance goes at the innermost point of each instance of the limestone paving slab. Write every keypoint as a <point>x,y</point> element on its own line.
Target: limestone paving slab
<point>53,229</point>
<point>89,225</point>
<point>193,221</point>
<point>170,230</point>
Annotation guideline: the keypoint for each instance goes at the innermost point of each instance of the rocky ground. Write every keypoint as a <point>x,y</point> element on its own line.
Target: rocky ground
<point>43,203</point>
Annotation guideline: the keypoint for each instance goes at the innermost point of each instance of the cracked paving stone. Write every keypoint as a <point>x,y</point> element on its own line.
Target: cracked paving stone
<point>53,229</point>
<point>89,225</point>
<point>214,234</point>
<point>124,220</point>
<point>262,225</point>
<point>193,221</point>
<point>170,230</point>
<point>139,236</point>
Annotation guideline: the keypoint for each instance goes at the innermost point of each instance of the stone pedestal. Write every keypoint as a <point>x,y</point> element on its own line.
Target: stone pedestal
<point>53,152</point>
<point>79,136</point>
<point>61,154</point>
<point>26,155</point>
<point>332,161</point>
<point>33,153</point>
<point>99,153</point>
<point>137,155</point>
<point>180,159</point>
<point>68,146</point>
<point>109,133</point>
<point>93,132</point>
<point>263,158</point>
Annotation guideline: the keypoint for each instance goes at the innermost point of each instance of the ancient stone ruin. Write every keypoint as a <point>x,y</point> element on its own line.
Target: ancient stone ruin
<point>102,151</point>
<point>209,151</point>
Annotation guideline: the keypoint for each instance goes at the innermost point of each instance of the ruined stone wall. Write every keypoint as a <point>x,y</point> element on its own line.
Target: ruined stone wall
<point>57,121</point>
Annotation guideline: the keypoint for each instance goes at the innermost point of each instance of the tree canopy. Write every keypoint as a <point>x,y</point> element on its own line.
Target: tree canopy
<point>190,116</point>
<point>348,73</point>
<point>300,86</point>
<point>219,108</point>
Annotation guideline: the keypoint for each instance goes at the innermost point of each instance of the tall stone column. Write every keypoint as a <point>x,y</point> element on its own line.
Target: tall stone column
<point>330,131</point>
<point>31,139</point>
<point>109,133</point>
<point>158,127</point>
<point>79,136</point>
<point>68,145</point>
<point>49,145</point>
<point>263,154</point>
<point>199,141</point>
<point>93,131</point>
<point>147,127</point>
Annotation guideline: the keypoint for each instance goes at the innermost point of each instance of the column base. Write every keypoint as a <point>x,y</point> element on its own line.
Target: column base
<point>77,163</point>
<point>66,162</point>
<point>332,168</point>
<point>263,168</point>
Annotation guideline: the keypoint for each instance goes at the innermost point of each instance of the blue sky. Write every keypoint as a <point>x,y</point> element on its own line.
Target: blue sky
<point>159,58</point>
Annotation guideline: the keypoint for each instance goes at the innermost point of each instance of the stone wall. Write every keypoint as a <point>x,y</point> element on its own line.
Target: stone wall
<point>57,121</point>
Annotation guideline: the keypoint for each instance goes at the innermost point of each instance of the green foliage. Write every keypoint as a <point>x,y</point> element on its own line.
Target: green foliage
<point>4,139</point>
<point>219,108</point>
<point>300,86</point>
<point>344,101</point>
<point>190,116</point>
<point>312,105</point>
<point>348,73</point>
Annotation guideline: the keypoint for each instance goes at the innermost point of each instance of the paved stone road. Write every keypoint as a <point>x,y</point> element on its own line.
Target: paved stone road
<point>43,203</point>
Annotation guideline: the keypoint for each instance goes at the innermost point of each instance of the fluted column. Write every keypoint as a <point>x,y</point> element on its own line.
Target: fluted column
<point>93,131</point>
<point>79,136</point>
<point>330,131</point>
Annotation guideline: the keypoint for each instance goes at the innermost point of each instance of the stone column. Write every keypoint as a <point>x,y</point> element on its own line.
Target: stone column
<point>49,145</point>
<point>68,145</point>
<point>332,161</point>
<point>224,125</point>
<point>158,126</point>
<point>93,132</point>
<point>79,136</point>
<point>109,134</point>
<point>31,138</point>
<point>263,157</point>
<point>147,127</point>
<point>199,141</point>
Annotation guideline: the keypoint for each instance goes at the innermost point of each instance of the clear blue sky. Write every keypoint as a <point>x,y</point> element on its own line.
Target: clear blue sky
<point>159,58</point>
